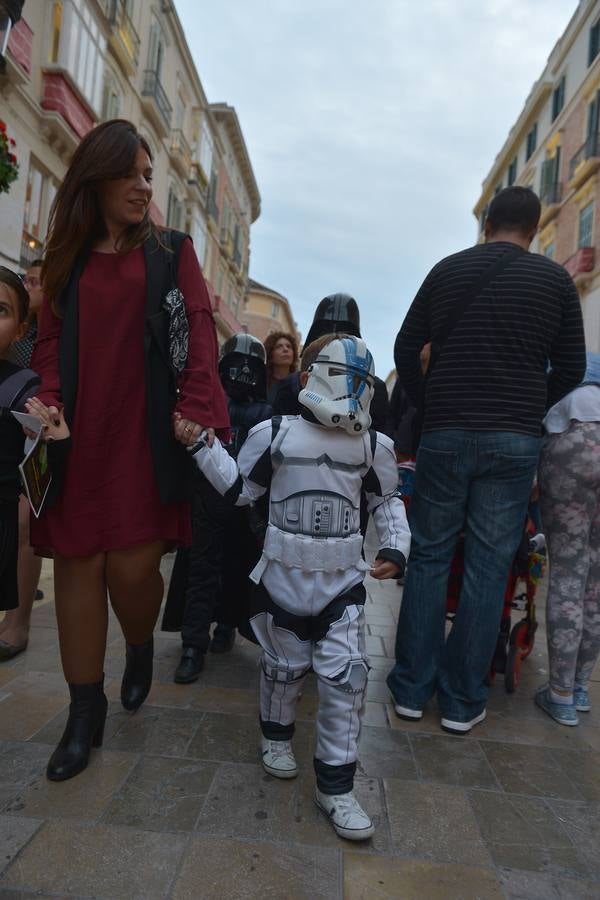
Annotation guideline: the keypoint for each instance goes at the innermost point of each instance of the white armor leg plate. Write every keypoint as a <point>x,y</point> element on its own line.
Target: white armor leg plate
<point>342,666</point>
<point>285,662</point>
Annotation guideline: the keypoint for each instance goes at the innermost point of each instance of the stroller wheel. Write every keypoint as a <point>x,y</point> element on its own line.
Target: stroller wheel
<point>522,636</point>
<point>512,673</point>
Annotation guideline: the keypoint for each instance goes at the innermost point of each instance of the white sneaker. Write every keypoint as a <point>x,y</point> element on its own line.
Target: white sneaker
<point>462,727</point>
<point>405,712</point>
<point>278,758</point>
<point>346,815</point>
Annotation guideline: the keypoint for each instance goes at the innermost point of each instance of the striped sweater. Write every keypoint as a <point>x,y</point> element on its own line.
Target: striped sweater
<point>492,374</point>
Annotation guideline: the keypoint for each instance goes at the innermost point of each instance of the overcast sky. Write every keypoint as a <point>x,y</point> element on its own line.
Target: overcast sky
<point>370,127</point>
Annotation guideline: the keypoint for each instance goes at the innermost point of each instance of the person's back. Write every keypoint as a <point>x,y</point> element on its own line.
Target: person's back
<point>506,337</point>
<point>492,373</point>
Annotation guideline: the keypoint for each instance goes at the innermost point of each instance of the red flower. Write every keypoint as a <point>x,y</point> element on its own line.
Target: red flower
<point>2,125</point>
<point>12,157</point>
<point>12,142</point>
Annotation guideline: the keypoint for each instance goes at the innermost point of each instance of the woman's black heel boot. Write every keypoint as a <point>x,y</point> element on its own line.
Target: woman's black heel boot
<point>137,678</point>
<point>84,730</point>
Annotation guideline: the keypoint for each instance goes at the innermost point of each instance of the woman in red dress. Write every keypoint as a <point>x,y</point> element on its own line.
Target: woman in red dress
<point>103,353</point>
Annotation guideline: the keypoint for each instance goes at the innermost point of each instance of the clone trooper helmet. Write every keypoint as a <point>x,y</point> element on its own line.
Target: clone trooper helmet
<point>242,367</point>
<point>340,383</point>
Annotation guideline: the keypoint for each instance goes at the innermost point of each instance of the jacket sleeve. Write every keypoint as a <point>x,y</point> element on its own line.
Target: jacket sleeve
<point>385,505</point>
<point>567,357</point>
<point>380,409</point>
<point>202,398</point>
<point>243,481</point>
<point>44,359</point>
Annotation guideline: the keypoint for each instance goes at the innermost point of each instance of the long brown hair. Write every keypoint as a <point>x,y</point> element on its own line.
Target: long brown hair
<point>271,341</point>
<point>106,153</point>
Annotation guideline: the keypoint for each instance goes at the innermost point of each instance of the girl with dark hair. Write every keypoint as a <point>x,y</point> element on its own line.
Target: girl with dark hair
<point>282,359</point>
<point>14,629</point>
<point>103,352</point>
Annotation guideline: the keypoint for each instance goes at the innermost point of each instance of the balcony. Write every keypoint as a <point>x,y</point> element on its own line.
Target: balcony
<point>181,155</point>
<point>551,199</point>
<point>585,162</point>
<point>124,39</point>
<point>155,102</point>
<point>580,265</point>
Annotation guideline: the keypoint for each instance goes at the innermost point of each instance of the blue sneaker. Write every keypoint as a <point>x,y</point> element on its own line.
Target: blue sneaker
<point>581,699</point>
<point>564,713</point>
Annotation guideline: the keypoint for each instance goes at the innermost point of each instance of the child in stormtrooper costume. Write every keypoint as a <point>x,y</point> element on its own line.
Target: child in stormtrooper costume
<point>307,610</point>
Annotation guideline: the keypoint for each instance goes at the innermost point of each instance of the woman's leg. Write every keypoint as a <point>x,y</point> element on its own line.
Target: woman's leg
<point>82,616</point>
<point>568,505</point>
<point>589,648</point>
<point>135,587</point>
<point>14,629</point>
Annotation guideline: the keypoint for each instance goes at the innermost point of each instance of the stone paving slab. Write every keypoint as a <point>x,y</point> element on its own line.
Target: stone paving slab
<point>176,805</point>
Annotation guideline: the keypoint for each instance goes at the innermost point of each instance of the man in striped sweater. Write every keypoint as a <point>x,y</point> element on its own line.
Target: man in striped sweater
<point>517,347</point>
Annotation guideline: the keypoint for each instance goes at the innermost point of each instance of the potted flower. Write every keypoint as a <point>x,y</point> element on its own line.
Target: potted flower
<point>9,167</point>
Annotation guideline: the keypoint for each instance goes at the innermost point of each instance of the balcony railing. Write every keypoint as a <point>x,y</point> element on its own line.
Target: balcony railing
<point>590,149</point>
<point>552,194</point>
<point>153,88</point>
<point>118,17</point>
<point>581,262</point>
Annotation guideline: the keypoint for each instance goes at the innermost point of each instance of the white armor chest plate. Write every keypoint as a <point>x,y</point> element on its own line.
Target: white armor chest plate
<point>313,492</point>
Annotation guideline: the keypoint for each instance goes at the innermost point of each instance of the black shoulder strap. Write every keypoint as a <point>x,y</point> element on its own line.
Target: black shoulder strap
<point>473,291</point>
<point>173,240</point>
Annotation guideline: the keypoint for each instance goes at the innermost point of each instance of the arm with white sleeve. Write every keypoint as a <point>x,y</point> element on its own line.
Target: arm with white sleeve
<point>386,507</point>
<point>242,481</point>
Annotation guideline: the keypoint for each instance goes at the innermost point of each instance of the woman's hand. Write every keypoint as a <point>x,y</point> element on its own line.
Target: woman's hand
<point>54,427</point>
<point>188,432</point>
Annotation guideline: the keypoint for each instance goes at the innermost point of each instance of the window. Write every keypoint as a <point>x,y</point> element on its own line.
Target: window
<point>558,97</point>
<point>179,112</point>
<point>531,142</point>
<point>550,180</point>
<point>594,45</point>
<point>497,189</point>
<point>275,309</point>
<point>586,219</point>
<point>78,46</point>
<point>156,49</point>
<point>111,99</point>
<point>206,150</point>
<point>198,233</point>
<point>39,196</point>
<point>549,250</point>
<point>174,211</point>
<point>483,217</point>
<point>512,172</point>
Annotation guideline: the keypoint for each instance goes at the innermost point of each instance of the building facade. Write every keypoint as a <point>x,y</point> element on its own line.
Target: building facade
<point>265,311</point>
<point>73,63</point>
<point>554,148</point>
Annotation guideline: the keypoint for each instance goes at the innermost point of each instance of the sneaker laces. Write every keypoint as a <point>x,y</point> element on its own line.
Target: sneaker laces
<point>280,750</point>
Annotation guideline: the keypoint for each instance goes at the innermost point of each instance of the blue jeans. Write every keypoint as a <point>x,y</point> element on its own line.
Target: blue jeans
<point>476,482</point>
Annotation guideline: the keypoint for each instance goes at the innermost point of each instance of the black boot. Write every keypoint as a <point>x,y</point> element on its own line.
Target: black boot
<point>223,638</point>
<point>137,678</point>
<point>85,729</point>
<point>190,665</point>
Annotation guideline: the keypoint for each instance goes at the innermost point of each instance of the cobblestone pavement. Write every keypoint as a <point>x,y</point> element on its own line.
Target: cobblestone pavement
<point>176,805</point>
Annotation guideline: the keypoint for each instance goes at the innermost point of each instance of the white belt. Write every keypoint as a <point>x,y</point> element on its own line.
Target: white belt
<point>299,551</point>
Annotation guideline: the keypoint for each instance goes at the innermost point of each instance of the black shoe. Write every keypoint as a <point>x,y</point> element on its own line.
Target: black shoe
<point>137,679</point>
<point>223,639</point>
<point>190,665</point>
<point>84,730</point>
<point>39,595</point>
